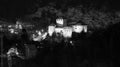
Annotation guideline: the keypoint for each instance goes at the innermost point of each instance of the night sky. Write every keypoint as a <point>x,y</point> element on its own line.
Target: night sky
<point>14,8</point>
<point>10,9</point>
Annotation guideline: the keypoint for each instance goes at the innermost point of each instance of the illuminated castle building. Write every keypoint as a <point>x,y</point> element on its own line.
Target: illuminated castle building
<point>61,29</point>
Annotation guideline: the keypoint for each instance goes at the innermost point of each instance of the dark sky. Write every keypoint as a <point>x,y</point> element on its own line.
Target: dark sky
<point>14,8</point>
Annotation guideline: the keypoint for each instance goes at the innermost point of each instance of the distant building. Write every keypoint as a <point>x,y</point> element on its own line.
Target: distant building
<point>51,29</point>
<point>78,28</point>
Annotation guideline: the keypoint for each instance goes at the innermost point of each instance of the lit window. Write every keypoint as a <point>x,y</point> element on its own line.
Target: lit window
<point>85,28</point>
<point>51,29</point>
<point>58,30</point>
<point>67,32</point>
<point>78,28</point>
<point>60,21</point>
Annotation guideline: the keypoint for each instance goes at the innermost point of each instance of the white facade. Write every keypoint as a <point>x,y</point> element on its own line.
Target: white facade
<point>67,32</point>
<point>51,29</point>
<point>78,28</point>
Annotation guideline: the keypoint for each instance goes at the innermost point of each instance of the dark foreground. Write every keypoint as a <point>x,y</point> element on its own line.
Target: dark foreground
<point>98,50</point>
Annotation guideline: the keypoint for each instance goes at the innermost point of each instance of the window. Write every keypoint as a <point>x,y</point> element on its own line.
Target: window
<point>67,32</point>
<point>60,21</point>
<point>51,29</point>
<point>77,28</point>
<point>85,28</point>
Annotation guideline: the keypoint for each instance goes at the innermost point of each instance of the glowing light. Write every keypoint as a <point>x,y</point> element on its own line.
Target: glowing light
<point>20,26</point>
<point>11,30</point>
<point>85,28</point>
<point>67,32</point>
<point>60,21</point>
<point>39,33</point>
<point>10,26</point>
<point>39,37</point>
<point>36,38</point>
<point>51,29</point>
<point>77,28</point>
<point>12,50</point>
<point>58,30</point>
<point>44,35</point>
